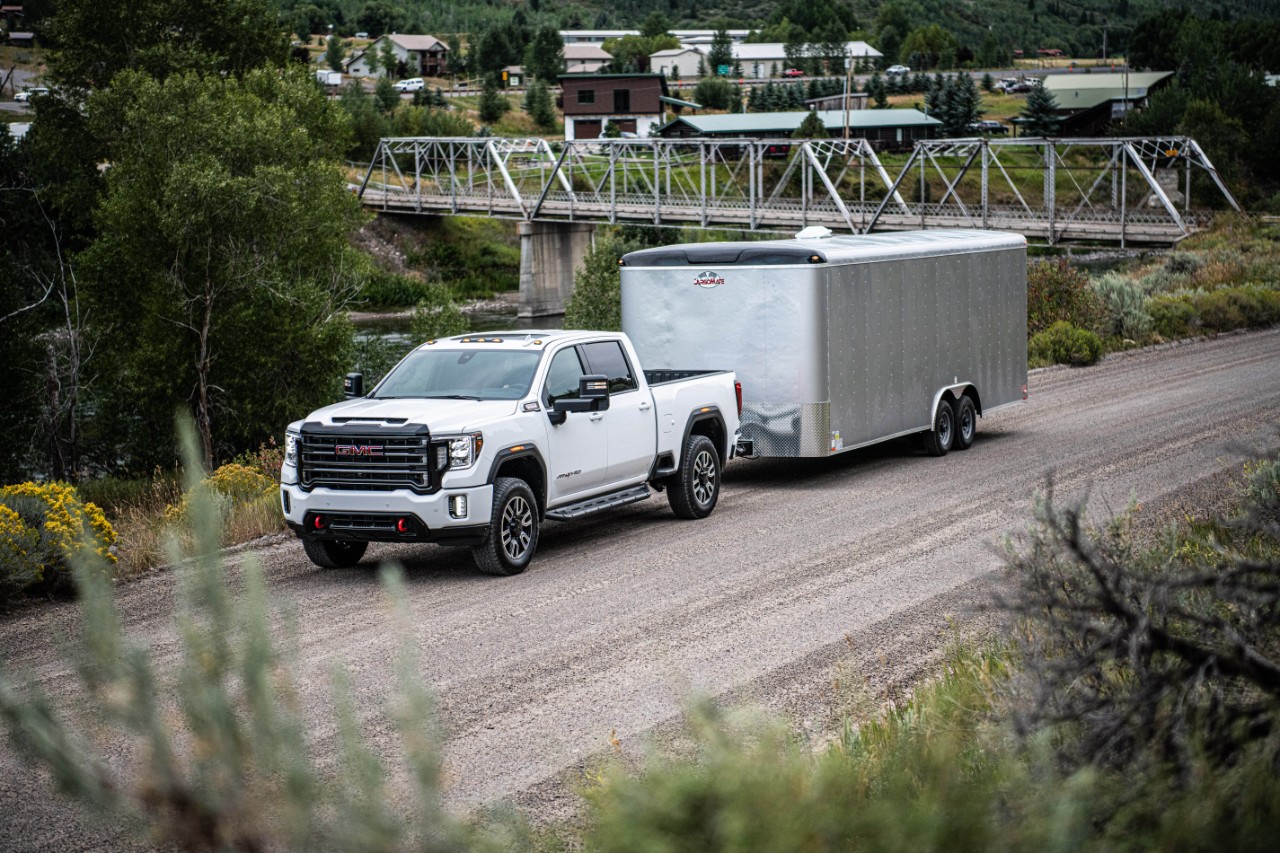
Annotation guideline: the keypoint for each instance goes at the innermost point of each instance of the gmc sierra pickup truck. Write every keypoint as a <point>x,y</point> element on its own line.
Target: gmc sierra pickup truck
<point>476,439</point>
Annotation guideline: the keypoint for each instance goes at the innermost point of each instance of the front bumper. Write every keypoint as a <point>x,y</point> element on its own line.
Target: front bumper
<point>373,516</point>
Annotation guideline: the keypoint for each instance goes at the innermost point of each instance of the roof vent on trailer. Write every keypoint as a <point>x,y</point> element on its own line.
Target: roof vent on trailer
<point>813,232</point>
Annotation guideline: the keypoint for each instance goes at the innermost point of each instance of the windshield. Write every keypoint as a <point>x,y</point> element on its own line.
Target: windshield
<point>473,374</point>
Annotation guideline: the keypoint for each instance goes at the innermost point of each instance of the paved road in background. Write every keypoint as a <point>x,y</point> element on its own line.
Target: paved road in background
<point>803,564</point>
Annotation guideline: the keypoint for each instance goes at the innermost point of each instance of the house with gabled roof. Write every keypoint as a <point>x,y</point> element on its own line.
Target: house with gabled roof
<point>416,56</point>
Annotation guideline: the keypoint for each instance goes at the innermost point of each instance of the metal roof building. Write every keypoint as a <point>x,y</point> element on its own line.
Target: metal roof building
<point>888,129</point>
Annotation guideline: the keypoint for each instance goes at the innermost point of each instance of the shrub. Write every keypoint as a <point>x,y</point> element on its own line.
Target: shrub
<point>436,315</point>
<point>1058,291</point>
<point>1172,317</point>
<point>1218,312</point>
<point>1063,343</point>
<point>596,302</point>
<point>244,497</point>
<point>43,528</point>
<point>1123,304</point>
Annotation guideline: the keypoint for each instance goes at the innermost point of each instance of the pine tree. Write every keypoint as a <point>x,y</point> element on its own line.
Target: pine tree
<point>537,103</point>
<point>811,128</point>
<point>1040,115</point>
<point>493,105</point>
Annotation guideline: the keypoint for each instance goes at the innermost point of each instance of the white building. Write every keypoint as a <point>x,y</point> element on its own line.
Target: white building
<point>422,55</point>
<point>585,58</point>
<point>683,36</point>
<point>758,61</point>
<point>678,63</point>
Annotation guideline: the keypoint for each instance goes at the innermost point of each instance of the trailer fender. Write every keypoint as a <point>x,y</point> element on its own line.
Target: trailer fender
<point>951,393</point>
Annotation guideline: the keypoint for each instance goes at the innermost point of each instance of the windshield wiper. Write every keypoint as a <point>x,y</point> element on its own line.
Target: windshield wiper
<point>451,397</point>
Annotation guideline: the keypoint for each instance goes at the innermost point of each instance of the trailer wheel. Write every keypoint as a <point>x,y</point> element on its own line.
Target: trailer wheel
<point>513,530</point>
<point>966,423</point>
<point>333,553</point>
<point>693,491</point>
<point>938,440</point>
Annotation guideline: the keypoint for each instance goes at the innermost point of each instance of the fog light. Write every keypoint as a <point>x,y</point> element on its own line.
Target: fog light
<point>458,506</point>
<point>404,525</point>
<point>319,522</point>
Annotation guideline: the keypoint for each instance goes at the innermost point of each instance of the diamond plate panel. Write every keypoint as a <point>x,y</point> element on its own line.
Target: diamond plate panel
<point>787,429</point>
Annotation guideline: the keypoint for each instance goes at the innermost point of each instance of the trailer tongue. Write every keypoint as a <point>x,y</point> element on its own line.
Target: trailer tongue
<point>841,342</point>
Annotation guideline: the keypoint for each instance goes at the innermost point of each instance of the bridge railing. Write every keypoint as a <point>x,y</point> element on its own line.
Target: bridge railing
<point>1055,189</point>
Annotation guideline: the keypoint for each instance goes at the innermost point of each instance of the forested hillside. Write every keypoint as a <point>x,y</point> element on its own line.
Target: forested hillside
<point>1077,27</point>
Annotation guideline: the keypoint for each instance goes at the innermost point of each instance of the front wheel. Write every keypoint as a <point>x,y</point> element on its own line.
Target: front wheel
<point>334,553</point>
<point>693,491</point>
<point>513,530</point>
<point>966,423</point>
<point>938,440</point>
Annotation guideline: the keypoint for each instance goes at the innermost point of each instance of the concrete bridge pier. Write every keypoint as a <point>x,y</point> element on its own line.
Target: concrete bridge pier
<point>550,252</point>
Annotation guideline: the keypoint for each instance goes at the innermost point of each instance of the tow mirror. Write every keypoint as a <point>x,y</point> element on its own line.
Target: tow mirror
<point>353,385</point>
<point>593,396</point>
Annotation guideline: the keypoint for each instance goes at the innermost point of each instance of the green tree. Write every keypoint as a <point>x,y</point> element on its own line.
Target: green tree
<point>226,221</point>
<point>390,62</point>
<point>335,52</point>
<point>537,103</point>
<point>381,16</point>
<point>632,52</point>
<point>715,93</point>
<point>1040,113</point>
<point>384,92</point>
<point>493,104</point>
<point>721,53</point>
<point>95,41</point>
<point>655,24</point>
<point>544,57</point>
<point>596,302</point>
<point>811,128</point>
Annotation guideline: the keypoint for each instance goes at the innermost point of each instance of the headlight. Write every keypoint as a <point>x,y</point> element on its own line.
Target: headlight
<point>464,450</point>
<point>291,448</point>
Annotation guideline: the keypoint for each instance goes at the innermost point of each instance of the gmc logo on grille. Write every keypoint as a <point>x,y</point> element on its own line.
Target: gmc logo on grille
<point>357,450</point>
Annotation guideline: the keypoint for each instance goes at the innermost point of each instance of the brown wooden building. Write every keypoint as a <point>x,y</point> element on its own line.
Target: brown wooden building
<point>631,101</point>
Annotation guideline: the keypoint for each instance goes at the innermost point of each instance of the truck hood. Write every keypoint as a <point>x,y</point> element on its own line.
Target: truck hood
<point>440,416</point>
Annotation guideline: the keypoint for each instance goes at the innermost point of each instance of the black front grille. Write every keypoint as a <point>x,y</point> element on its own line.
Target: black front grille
<point>372,460</point>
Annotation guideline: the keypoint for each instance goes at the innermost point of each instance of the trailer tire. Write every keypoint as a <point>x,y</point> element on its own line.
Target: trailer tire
<point>966,428</point>
<point>333,553</point>
<point>695,488</point>
<point>939,439</point>
<point>513,530</point>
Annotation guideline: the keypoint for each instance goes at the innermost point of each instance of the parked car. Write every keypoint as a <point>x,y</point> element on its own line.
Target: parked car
<point>412,84</point>
<point>475,439</point>
<point>1024,85</point>
<point>793,72</point>
<point>897,70</point>
<point>28,94</point>
<point>988,127</point>
<point>1005,84</point>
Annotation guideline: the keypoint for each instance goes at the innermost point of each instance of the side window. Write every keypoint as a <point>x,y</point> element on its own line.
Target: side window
<point>562,376</point>
<point>607,357</point>
<point>586,96</point>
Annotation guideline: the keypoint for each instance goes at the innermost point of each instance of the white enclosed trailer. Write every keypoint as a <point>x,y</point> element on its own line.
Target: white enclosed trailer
<point>841,342</point>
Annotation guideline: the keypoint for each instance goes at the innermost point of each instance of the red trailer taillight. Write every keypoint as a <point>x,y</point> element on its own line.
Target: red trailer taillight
<point>737,389</point>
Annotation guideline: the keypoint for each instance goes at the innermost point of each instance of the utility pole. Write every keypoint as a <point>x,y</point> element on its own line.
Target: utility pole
<point>848,89</point>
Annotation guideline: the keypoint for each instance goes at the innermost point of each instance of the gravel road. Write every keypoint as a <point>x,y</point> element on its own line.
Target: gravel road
<point>808,571</point>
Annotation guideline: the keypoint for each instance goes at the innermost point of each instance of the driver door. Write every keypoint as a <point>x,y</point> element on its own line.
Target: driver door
<point>578,449</point>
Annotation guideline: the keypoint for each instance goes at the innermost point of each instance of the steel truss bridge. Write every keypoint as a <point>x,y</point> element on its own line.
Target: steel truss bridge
<point>1125,190</point>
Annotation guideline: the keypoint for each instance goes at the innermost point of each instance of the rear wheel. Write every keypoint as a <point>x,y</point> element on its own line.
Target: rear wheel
<point>513,530</point>
<point>938,441</point>
<point>966,423</point>
<point>693,491</point>
<point>334,553</point>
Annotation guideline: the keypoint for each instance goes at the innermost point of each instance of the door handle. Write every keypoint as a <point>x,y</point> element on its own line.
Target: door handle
<point>645,406</point>
<point>597,416</point>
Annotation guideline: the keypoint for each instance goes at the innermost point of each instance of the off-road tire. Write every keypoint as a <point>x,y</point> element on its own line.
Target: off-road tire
<point>513,530</point>
<point>966,426</point>
<point>334,553</point>
<point>939,440</point>
<point>695,488</point>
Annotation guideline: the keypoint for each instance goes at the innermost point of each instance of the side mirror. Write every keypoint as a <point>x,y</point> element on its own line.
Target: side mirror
<point>593,396</point>
<point>353,385</point>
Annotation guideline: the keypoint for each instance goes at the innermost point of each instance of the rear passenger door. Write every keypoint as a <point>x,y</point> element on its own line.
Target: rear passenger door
<point>633,435</point>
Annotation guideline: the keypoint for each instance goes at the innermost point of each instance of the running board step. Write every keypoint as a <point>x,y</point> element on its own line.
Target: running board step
<point>600,502</point>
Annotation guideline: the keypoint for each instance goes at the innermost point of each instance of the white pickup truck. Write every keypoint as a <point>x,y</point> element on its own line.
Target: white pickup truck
<point>476,439</point>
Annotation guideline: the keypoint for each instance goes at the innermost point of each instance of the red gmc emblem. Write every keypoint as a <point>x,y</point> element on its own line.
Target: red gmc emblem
<point>357,450</point>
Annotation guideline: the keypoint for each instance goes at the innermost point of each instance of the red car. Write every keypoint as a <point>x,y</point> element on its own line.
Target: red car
<point>793,72</point>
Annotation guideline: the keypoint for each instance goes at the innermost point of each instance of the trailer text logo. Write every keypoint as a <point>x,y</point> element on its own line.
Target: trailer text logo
<point>708,279</point>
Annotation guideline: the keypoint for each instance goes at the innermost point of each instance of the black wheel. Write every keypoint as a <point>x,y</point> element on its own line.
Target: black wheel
<point>966,423</point>
<point>938,440</point>
<point>693,491</point>
<point>334,553</point>
<point>513,530</point>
